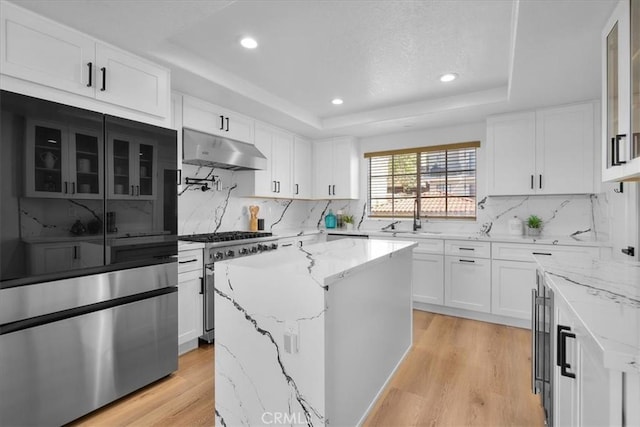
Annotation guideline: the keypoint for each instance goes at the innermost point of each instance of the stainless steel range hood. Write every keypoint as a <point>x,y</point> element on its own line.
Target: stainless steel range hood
<point>204,149</point>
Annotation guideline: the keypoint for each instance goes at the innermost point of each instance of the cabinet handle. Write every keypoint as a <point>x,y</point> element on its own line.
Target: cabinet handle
<point>275,187</point>
<point>540,182</point>
<point>278,186</point>
<point>329,189</point>
<point>532,182</point>
<point>137,190</point>
<point>466,249</point>
<point>90,65</point>
<point>188,261</point>
<point>66,187</point>
<point>75,252</point>
<point>201,285</point>
<point>542,253</point>
<point>297,189</point>
<point>534,339</point>
<point>466,260</point>
<point>563,334</point>
<point>227,120</point>
<point>334,189</point>
<point>286,245</point>
<point>618,138</point>
<point>104,79</point>
<point>221,122</point>
<point>133,190</point>
<point>73,188</point>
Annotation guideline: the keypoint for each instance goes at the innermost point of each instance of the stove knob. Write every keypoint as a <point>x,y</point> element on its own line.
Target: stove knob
<point>230,254</point>
<point>254,249</point>
<point>261,247</point>
<point>218,255</point>
<point>244,251</point>
<point>274,246</point>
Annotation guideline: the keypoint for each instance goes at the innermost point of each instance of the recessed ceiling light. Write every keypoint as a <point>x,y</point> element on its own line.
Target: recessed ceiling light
<point>337,101</point>
<point>449,77</point>
<point>249,43</point>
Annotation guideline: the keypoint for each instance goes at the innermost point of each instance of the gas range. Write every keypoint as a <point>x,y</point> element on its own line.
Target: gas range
<point>233,244</point>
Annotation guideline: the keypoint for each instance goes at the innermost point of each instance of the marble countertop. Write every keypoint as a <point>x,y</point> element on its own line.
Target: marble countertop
<point>295,232</point>
<point>604,298</point>
<point>425,234</point>
<point>327,262</point>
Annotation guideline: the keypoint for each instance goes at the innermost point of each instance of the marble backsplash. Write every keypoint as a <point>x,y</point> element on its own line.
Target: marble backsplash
<point>224,209</point>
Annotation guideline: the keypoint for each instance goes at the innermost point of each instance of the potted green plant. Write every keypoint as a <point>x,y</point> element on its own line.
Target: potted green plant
<point>348,222</point>
<point>534,225</point>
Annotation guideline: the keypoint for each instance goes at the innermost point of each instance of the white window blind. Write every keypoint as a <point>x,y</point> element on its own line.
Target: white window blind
<point>441,180</point>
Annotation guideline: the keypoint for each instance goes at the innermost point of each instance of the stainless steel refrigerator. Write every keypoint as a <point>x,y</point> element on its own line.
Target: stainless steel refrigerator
<point>88,248</point>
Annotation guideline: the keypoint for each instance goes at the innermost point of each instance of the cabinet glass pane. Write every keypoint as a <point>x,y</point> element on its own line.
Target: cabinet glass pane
<point>48,159</point>
<point>121,162</point>
<point>146,169</point>
<point>87,164</point>
<point>635,78</point>
<point>612,90</point>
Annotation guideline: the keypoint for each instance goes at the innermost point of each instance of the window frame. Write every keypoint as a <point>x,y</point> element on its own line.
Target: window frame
<point>444,148</point>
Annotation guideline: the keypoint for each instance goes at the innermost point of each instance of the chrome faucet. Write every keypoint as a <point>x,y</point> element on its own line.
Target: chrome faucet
<point>417,223</point>
<point>391,226</point>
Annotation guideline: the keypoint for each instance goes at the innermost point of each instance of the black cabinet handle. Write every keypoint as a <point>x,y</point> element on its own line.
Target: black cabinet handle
<point>334,190</point>
<point>297,189</point>
<point>466,249</point>
<point>227,120</point>
<point>278,186</point>
<point>329,189</point>
<point>137,190</point>
<point>73,188</point>
<point>221,122</point>
<point>466,260</point>
<point>201,285</point>
<point>66,187</point>
<point>188,261</point>
<point>75,252</point>
<point>133,190</point>
<point>90,65</point>
<point>274,186</point>
<point>542,253</point>
<point>532,182</point>
<point>617,150</point>
<point>563,334</point>
<point>287,245</point>
<point>104,79</point>
<point>540,182</point>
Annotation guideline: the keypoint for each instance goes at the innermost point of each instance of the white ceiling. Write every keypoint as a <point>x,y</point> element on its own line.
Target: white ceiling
<point>382,57</point>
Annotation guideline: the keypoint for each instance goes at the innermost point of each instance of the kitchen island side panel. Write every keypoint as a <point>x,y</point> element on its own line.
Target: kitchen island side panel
<point>368,333</point>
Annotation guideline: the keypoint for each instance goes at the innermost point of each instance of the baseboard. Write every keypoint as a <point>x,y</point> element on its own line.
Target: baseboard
<point>384,386</point>
<point>187,346</point>
<point>473,315</point>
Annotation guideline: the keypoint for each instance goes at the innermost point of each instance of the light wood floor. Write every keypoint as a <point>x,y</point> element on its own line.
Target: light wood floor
<point>459,373</point>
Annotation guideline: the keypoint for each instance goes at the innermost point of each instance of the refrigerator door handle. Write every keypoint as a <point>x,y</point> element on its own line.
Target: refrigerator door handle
<point>534,340</point>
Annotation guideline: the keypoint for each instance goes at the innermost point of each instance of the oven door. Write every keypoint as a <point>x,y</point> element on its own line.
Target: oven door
<point>209,294</point>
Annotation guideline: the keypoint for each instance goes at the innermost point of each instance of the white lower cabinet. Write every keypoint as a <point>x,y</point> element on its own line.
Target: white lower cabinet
<point>467,283</point>
<point>428,278</point>
<point>511,284</point>
<point>190,299</point>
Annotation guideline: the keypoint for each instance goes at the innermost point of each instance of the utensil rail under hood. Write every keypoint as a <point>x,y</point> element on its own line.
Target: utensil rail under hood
<point>204,149</point>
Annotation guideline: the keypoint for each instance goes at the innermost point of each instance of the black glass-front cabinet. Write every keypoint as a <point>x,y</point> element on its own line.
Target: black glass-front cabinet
<point>81,191</point>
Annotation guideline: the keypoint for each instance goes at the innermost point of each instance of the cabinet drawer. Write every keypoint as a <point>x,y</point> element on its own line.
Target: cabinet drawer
<point>467,248</point>
<point>521,252</point>
<point>190,260</point>
<point>429,246</point>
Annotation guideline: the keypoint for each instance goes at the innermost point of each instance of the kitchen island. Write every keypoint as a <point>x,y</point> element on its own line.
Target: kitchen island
<point>310,336</point>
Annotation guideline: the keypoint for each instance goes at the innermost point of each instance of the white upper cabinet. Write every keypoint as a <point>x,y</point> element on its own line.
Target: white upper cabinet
<point>42,51</point>
<point>276,179</point>
<point>511,154</point>
<point>621,94</point>
<point>549,151</point>
<point>336,166</point>
<point>210,118</point>
<point>301,169</point>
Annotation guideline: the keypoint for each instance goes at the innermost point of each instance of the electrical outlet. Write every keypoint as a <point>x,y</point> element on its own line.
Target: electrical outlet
<point>291,337</point>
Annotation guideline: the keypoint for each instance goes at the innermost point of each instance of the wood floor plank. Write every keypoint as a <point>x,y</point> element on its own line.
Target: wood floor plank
<point>459,373</point>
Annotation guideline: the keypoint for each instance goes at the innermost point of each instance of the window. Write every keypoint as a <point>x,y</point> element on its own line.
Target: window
<point>441,180</point>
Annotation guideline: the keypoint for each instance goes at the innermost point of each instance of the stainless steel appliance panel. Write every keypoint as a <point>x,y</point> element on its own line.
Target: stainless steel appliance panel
<point>209,295</point>
<point>543,345</point>
<point>57,372</point>
<point>23,302</point>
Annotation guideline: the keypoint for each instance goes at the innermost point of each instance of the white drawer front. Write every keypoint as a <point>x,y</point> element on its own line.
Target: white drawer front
<point>467,248</point>
<point>190,260</point>
<point>429,246</point>
<point>521,252</point>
